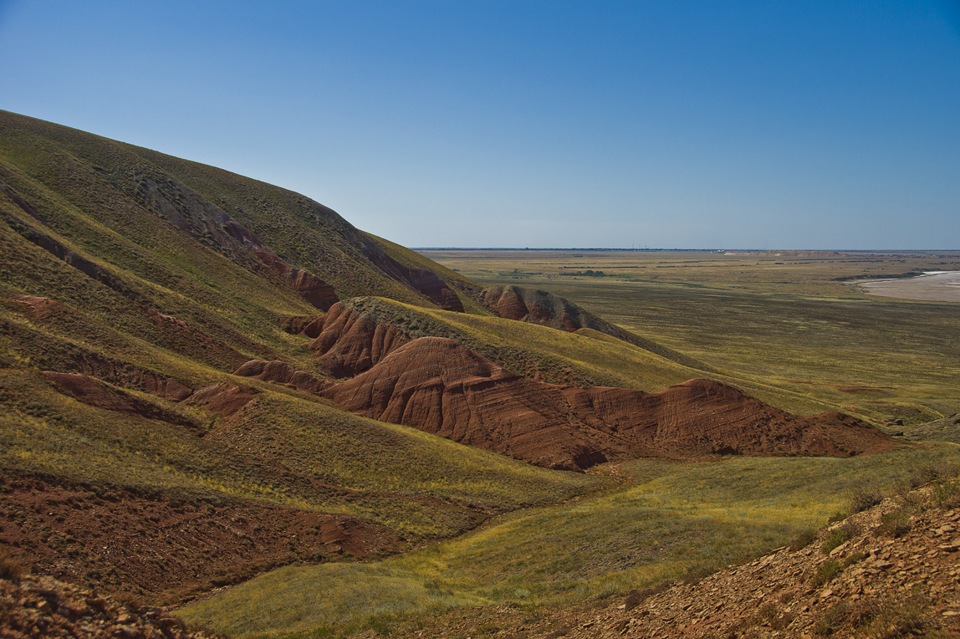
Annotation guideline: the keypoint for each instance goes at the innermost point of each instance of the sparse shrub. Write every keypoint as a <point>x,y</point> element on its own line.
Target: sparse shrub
<point>837,516</point>
<point>864,498</point>
<point>635,597</point>
<point>770,615</point>
<point>895,523</point>
<point>929,473</point>
<point>895,619</point>
<point>826,571</point>
<point>379,625</point>
<point>855,558</point>
<point>840,535</point>
<point>831,620</point>
<point>782,621</point>
<point>10,568</point>
<point>946,494</point>
<point>696,574</point>
<point>803,540</point>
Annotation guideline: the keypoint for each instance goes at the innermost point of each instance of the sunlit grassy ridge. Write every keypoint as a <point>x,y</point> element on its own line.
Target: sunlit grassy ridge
<point>667,519</point>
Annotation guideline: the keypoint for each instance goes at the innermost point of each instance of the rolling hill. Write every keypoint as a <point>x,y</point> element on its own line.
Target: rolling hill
<point>204,377</point>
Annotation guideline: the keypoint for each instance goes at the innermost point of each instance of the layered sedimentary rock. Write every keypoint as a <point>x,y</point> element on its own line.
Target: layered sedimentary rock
<point>439,386</point>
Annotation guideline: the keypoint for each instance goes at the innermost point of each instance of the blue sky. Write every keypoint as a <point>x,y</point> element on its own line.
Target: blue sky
<point>690,124</point>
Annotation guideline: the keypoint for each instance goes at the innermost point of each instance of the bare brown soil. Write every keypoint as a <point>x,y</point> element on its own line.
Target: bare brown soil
<point>166,548</point>
<point>439,386</point>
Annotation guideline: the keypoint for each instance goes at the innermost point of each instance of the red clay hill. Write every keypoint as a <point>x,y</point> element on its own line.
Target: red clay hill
<point>438,385</point>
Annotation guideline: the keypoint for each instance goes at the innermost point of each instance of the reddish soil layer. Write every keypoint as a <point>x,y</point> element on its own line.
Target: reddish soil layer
<point>439,386</point>
<point>165,548</point>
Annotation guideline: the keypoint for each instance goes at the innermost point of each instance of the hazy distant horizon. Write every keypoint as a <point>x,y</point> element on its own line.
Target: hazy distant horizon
<point>677,249</point>
<point>691,123</point>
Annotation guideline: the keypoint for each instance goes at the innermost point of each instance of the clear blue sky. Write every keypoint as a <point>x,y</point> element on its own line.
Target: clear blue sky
<point>761,124</point>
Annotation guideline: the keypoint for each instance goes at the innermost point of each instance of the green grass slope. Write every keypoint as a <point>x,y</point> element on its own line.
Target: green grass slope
<point>665,520</point>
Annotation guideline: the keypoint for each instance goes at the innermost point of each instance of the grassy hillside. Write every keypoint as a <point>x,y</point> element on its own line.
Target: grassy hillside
<point>143,276</point>
<point>666,520</point>
<point>134,284</point>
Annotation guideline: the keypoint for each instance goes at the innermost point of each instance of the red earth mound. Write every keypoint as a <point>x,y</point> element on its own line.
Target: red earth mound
<point>165,548</point>
<point>349,343</point>
<point>282,373</point>
<point>537,307</point>
<point>439,386</point>
<point>222,398</point>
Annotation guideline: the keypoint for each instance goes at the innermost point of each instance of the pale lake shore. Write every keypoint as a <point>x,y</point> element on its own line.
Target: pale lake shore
<point>938,286</point>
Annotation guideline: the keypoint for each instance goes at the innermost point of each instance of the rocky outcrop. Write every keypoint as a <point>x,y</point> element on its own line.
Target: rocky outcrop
<point>39,606</point>
<point>547,309</point>
<point>439,386</point>
<point>540,307</point>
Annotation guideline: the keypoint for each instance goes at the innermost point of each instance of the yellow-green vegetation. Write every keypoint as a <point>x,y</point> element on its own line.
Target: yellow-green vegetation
<point>287,449</point>
<point>780,321</point>
<point>666,519</point>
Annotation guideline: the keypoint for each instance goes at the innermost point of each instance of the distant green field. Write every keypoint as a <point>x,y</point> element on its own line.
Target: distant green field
<point>664,520</point>
<point>778,320</point>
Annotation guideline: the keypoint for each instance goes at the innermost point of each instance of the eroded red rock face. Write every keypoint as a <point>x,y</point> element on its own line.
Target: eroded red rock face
<point>439,386</point>
<point>349,343</point>
<point>222,398</point>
